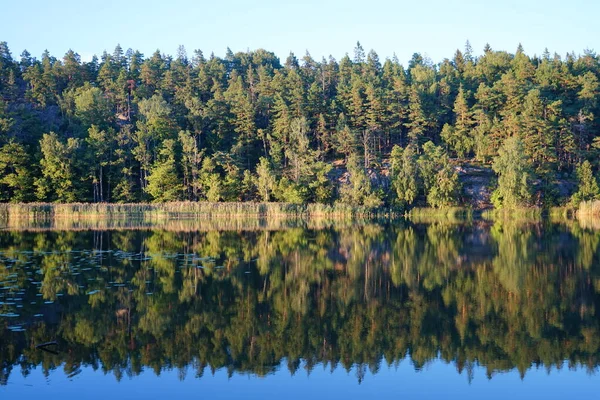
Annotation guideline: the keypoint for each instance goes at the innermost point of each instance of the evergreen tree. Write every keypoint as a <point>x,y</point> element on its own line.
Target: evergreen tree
<point>210,180</point>
<point>460,137</point>
<point>101,146</point>
<point>417,121</point>
<point>60,180</point>
<point>114,114</point>
<point>440,180</point>
<point>359,190</point>
<point>191,161</point>
<point>163,181</point>
<point>514,175</point>
<point>265,181</point>
<point>16,181</point>
<point>405,178</point>
<point>587,184</point>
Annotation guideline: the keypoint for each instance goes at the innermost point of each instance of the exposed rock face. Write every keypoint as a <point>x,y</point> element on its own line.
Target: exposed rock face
<point>477,182</point>
<point>565,187</point>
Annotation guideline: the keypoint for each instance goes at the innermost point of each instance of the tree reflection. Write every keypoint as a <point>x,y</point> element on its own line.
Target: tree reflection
<point>502,295</point>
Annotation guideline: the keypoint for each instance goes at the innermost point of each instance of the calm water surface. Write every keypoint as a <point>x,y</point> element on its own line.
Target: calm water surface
<point>403,310</point>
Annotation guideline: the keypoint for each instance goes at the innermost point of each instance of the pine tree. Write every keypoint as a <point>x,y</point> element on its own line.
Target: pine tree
<point>446,187</point>
<point>405,175</point>
<point>537,132</point>
<point>243,120</point>
<point>191,161</point>
<point>154,126</point>
<point>417,121</point>
<point>374,117</point>
<point>345,140</point>
<point>460,136</point>
<point>440,180</point>
<point>587,184</point>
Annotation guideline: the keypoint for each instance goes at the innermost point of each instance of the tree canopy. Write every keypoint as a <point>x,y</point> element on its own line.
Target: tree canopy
<point>110,129</point>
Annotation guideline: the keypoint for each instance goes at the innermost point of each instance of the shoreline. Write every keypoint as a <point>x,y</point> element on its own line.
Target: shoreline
<point>186,210</point>
<point>173,211</point>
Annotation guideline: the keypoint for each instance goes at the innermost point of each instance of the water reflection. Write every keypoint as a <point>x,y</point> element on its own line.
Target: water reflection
<point>504,296</point>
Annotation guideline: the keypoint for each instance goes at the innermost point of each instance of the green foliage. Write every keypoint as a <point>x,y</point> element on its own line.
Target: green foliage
<point>345,139</point>
<point>320,187</point>
<point>163,182</point>
<point>440,180</point>
<point>59,180</point>
<point>306,118</point>
<point>290,192</point>
<point>514,175</point>
<point>248,189</point>
<point>445,190</point>
<point>459,136</point>
<point>16,179</point>
<point>210,181</point>
<point>265,181</point>
<point>405,178</point>
<point>100,144</point>
<point>587,185</point>
<point>358,191</point>
<point>6,122</point>
<point>430,161</point>
<point>191,159</point>
<point>391,290</point>
<point>429,175</point>
<point>92,107</point>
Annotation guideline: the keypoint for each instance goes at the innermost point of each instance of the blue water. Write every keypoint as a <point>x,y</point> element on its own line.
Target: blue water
<point>475,310</point>
<point>437,380</point>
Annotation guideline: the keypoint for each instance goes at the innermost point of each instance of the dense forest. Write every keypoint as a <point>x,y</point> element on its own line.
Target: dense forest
<point>247,127</point>
<point>503,296</point>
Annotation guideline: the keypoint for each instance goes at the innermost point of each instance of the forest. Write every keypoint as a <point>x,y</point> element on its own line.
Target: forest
<point>360,131</point>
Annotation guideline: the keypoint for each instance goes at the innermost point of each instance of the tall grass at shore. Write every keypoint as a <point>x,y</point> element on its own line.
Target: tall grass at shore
<point>589,209</point>
<point>184,224</point>
<point>447,214</point>
<point>183,208</point>
<point>588,213</point>
<point>519,213</point>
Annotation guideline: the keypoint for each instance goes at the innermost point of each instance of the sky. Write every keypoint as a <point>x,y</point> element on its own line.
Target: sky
<point>434,28</point>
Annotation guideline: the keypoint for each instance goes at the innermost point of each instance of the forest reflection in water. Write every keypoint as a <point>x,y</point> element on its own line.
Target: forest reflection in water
<point>504,296</point>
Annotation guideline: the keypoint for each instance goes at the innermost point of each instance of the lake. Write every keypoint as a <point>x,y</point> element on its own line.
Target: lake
<point>476,309</point>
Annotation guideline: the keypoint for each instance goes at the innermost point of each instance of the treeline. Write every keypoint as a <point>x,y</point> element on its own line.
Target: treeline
<point>125,301</point>
<point>130,128</point>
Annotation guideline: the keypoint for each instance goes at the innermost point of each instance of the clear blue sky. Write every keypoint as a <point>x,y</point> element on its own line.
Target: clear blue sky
<point>435,28</point>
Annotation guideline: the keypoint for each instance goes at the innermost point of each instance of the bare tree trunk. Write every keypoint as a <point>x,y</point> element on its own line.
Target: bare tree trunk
<point>101,184</point>
<point>366,137</point>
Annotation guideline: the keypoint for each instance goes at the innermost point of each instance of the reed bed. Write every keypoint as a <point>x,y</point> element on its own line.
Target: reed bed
<point>567,212</point>
<point>589,209</point>
<point>587,215</point>
<point>448,214</point>
<point>104,215</point>
<point>185,225</point>
<point>588,223</point>
<point>519,213</point>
